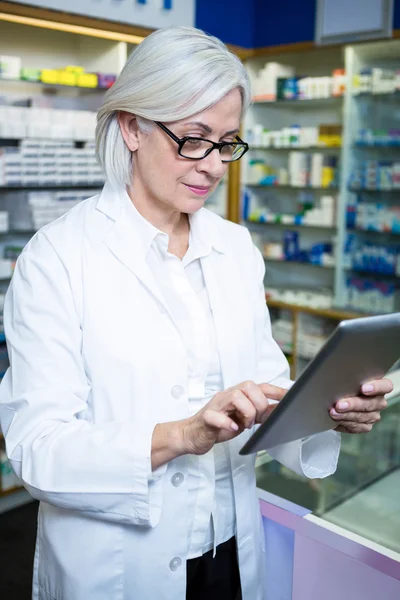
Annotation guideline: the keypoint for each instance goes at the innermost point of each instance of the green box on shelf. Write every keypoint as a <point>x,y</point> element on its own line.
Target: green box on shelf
<point>28,74</point>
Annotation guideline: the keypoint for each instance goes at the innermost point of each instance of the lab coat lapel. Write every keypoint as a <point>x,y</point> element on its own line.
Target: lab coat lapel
<point>124,243</point>
<point>126,249</point>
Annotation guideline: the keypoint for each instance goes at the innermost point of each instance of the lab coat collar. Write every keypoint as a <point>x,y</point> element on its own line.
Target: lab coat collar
<point>116,204</point>
<point>124,241</point>
<point>129,244</point>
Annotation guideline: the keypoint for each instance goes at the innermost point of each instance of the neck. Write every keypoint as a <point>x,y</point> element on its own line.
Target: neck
<point>172,222</point>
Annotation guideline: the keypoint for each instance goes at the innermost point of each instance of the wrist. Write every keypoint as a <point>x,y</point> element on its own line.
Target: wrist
<point>180,437</point>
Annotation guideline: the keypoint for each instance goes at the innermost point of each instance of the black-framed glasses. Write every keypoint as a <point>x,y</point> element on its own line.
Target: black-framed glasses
<point>196,148</point>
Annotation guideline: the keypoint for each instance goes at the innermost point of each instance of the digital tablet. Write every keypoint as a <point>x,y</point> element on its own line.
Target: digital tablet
<point>359,350</point>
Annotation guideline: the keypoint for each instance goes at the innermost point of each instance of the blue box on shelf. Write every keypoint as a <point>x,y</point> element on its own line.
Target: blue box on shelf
<point>291,245</point>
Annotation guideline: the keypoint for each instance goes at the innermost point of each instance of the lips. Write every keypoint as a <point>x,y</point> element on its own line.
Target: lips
<point>200,190</point>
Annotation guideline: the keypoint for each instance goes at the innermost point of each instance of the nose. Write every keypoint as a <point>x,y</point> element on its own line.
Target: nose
<point>212,165</point>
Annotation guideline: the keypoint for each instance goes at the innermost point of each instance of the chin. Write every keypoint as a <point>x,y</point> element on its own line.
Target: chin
<point>191,206</point>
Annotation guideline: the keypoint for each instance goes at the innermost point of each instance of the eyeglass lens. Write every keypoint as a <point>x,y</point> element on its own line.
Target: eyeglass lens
<point>196,148</point>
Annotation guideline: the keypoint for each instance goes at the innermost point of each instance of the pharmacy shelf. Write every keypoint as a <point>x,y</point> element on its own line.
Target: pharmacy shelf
<point>297,310</point>
<point>335,314</point>
<point>359,115</point>
<point>18,232</point>
<point>376,146</point>
<point>51,86</point>
<point>14,500</point>
<point>306,103</point>
<point>291,187</point>
<point>296,148</point>
<point>27,188</point>
<point>373,274</point>
<point>15,142</point>
<point>281,225</point>
<point>263,193</point>
<point>297,262</point>
<point>5,493</point>
<point>374,191</point>
<point>374,232</point>
<point>392,96</point>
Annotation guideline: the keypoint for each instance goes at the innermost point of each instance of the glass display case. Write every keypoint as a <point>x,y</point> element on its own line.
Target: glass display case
<point>363,495</point>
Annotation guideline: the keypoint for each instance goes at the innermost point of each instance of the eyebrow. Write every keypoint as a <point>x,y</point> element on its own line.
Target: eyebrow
<point>208,129</point>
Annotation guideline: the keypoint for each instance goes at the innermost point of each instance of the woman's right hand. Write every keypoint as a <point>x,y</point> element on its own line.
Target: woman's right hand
<point>227,414</point>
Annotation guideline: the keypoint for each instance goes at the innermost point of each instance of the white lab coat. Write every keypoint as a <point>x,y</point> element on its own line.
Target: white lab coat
<point>96,363</point>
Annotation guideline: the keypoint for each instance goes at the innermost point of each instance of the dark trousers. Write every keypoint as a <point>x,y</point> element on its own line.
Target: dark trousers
<point>216,578</point>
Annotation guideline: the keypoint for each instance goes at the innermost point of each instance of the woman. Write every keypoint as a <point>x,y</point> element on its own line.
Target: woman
<point>141,352</point>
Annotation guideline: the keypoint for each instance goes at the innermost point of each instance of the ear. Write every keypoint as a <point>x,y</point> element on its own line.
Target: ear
<point>129,129</point>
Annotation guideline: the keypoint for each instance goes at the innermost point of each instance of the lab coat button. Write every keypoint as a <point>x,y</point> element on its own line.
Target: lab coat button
<point>177,391</point>
<point>177,479</point>
<point>175,563</point>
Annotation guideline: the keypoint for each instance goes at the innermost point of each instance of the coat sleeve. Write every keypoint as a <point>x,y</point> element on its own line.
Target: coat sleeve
<point>102,469</point>
<point>315,456</point>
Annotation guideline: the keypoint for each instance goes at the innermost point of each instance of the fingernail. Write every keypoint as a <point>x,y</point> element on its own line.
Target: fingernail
<point>334,413</point>
<point>367,387</point>
<point>342,405</point>
<point>235,427</point>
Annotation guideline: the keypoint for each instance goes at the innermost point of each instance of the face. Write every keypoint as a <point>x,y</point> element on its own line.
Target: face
<point>166,181</point>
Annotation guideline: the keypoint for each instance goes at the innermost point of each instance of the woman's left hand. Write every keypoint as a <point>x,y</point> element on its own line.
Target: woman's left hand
<point>360,413</point>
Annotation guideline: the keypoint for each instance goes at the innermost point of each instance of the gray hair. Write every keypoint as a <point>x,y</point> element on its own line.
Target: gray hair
<point>174,73</point>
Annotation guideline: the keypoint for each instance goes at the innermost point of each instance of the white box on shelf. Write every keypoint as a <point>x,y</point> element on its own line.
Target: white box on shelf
<point>13,130</point>
<point>316,169</point>
<point>38,129</point>
<point>4,223</point>
<point>46,163</point>
<point>42,115</point>
<point>31,143</point>
<point>5,268</point>
<point>16,113</point>
<point>64,179</point>
<point>265,83</point>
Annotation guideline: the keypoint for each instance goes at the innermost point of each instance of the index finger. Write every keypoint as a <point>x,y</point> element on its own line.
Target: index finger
<point>272,391</point>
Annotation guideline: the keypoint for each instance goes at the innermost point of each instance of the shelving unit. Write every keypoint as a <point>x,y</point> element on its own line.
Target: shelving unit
<point>329,313</point>
<point>44,48</point>
<point>292,347</point>
<point>10,489</point>
<point>28,188</point>
<point>374,113</point>
<point>292,187</point>
<point>49,88</point>
<point>274,210</point>
<point>297,263</point>
<point>313,70</point>
<point>289,225</point>
<point>286,199</point>
<point>282,202</point>
<point>290,148</point>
